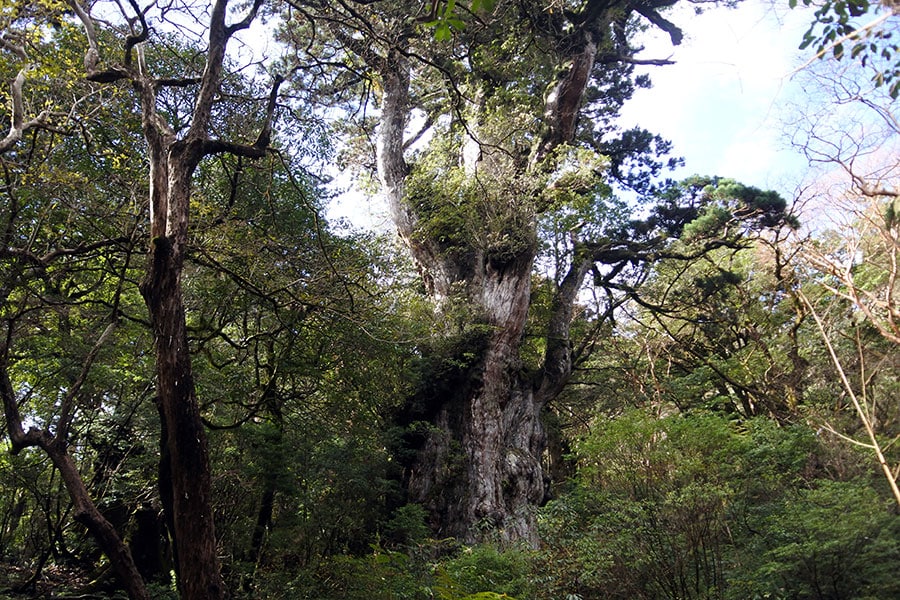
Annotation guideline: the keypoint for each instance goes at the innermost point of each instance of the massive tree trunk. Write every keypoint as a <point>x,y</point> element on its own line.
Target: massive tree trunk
<point>479,471</point>
<point>506,92</point>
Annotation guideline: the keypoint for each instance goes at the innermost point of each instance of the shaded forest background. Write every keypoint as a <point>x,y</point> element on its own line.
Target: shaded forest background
<point>568,377</point>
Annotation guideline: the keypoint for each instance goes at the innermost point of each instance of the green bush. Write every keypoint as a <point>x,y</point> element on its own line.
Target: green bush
<point>699,507</point>
<point>484,572</point>
<point>834,540</point>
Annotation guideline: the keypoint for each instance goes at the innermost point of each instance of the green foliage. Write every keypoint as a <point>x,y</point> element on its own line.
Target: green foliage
<point>708,223</point>
<point>485,573</point>
<point>447,211</point>
<point>380,576</point>
<point>729,202</point>
<point>723,330</point>
<point>836,536</point>
<point>445,19</point>
<point>834,29</point>
<point>463,217</point>
<point>696,506</point>
<point>307,345</point>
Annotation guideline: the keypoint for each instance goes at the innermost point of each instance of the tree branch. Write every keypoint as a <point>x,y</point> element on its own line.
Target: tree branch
<point>675,33</point>
<point>866,422</point>
<point>13,45</point>
<point>18,125</point>
<point>246,21</point>
<point>176,81</point>
<point>621,58</point>
<point>557,366</point>
<point>259,147</point>
<point>18,437</point>
<point>215,146</point>
<point>265,134</point>
<point>92,55</point>
<point>66,411</point>
<point>133,40</point>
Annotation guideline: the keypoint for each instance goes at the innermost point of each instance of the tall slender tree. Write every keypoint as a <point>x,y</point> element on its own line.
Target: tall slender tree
<point>174,155</point>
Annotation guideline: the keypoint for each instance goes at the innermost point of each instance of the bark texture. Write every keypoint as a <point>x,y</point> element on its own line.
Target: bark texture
<point>173,160</point>
<point>195,540</point>
<point>479,469</point>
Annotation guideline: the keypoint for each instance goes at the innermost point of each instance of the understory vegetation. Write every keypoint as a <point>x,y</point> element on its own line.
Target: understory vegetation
<point>560,376</point>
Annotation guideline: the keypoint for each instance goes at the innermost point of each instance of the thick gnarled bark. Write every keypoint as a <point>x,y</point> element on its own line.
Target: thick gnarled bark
<point>479,469</point>
<point>479,472</point>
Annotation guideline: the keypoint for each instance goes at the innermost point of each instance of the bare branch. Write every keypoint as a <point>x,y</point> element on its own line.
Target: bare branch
<point>866,422</point>
<point>675,33</point>
<point>133,40</point>
<point>12,45</point>
<point>265,134</point>
<point>621,58</point>
<point>259,147</point>
<point>176,81</point>
<point>827,426</point>
<point>558,355</point>
<point>235,148</point>
<point>247,20</point>
<point>18,437</point>
<point>219,34</point>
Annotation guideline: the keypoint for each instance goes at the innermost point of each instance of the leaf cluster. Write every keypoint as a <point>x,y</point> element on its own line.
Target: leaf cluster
<point>833,29</point>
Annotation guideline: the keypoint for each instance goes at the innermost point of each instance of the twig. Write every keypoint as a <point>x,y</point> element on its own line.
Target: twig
<point>853,34</point>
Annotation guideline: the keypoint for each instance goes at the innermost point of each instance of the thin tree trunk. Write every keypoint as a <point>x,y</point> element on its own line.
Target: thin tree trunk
<point>263,521</point>
<point>86,511</point>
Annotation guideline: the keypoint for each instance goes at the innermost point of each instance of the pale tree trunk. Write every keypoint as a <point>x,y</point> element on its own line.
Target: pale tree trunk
<point>479,473</point>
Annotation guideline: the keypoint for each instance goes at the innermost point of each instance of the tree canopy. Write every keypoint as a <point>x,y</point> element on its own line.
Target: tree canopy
<point>562,375</point>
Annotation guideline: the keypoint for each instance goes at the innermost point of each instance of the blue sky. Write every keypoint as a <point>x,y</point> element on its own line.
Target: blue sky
<point>723,101</point>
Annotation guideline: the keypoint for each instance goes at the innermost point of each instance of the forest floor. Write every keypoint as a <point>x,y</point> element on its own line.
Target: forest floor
<point>53,582</point>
